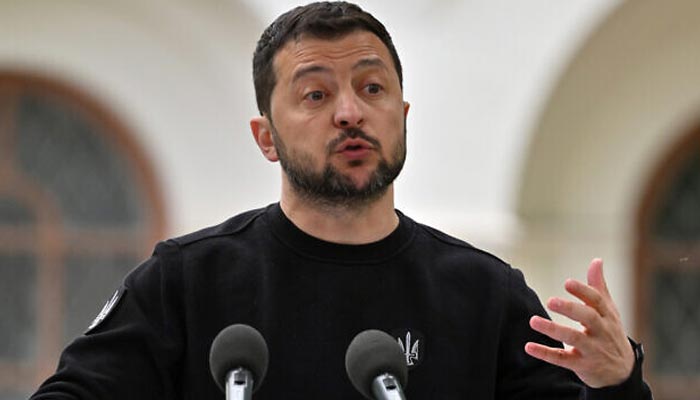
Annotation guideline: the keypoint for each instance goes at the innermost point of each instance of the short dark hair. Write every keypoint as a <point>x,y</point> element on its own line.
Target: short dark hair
<point>324,20</point>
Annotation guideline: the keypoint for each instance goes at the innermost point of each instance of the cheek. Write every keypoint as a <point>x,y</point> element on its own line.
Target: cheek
<point>304,143</point>
<point>303,123</point>
<point>395,125</point>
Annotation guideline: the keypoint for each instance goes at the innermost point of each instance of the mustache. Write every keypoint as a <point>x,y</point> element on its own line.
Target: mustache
<point>353,133</point>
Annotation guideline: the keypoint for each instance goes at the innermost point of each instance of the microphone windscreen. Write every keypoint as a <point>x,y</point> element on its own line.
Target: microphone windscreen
<point>238,346</point>
<point>371,354</point>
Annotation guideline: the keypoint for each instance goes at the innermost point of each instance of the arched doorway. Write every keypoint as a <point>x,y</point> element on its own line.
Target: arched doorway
<point>79,207</point>
<point>668,271</point>
<point>627,97</point>
<point>623,99</point>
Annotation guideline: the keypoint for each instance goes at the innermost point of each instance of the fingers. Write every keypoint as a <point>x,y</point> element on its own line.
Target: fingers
<point>596,278</point>
<point>558,332</point>
<point>553,355</point>
<point>596,293</point>
<point>589,295</point>
<point>586,315</point>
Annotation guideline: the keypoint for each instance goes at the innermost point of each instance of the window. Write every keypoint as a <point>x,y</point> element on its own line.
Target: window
<point>668,278</point>
<point>79,208</point>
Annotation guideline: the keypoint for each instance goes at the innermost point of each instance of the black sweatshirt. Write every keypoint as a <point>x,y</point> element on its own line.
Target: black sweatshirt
<point>460,313</point>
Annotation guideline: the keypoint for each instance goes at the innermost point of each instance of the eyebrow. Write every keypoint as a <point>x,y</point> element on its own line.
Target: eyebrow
<point>363,63</point>
<point>300,73</point>
<point>369,62</point>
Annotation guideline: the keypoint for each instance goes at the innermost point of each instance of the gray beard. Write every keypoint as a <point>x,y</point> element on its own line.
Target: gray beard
<point>330,188</point>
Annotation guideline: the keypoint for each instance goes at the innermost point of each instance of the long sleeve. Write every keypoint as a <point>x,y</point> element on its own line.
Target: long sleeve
<point>524,377</point>
<point>133,352</point>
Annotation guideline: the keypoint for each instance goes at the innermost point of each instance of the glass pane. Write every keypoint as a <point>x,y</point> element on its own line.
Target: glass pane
<point>17,306</point>
<point>14,213</point>
<point>679,216</point>
<point>69,155</point>
<point>90,282</point>
<point>676,322</point>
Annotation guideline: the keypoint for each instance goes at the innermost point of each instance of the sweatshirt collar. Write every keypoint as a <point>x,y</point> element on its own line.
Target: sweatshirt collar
<point>301,242</point>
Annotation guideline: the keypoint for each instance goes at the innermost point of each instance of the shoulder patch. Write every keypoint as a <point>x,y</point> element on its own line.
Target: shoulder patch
<point>107,308</point>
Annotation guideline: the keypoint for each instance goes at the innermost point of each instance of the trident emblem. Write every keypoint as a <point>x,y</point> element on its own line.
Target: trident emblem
<point>409,350</point>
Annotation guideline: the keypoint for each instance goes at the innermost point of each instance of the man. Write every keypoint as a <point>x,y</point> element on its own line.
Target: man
<point>334,258</point>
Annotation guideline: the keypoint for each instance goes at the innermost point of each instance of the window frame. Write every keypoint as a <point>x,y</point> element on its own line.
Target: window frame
<point>651,254</point>
<point>47,239</point>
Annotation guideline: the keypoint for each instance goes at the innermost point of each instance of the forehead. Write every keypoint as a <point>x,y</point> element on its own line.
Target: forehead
<point>346,50</point>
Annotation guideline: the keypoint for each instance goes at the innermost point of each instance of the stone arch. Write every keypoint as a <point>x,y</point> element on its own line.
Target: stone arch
<point>626,96</point>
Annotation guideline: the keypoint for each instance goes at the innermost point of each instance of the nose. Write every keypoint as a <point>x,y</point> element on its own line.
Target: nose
<point>348,112</point>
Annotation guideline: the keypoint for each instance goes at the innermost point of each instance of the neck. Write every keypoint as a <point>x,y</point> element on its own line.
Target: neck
<point>365,223</point>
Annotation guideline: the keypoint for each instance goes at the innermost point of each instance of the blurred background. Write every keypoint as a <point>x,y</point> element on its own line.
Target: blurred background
<point>547,132</point>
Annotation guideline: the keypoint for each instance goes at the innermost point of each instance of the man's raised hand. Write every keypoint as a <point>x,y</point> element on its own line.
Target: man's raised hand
<point>600,353</point>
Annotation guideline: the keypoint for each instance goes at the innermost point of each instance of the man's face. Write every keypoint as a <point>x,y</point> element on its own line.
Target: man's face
<point>338,117</point>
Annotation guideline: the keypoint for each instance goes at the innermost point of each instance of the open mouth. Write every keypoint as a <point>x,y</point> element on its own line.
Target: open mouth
<point>354,150</point>
<point>353,145</point>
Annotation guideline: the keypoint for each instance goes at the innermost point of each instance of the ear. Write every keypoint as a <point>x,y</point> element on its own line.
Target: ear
<point>406,106</point>
<point>262,132</point>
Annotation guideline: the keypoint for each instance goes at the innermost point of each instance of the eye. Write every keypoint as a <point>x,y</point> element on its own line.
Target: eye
<point>373,88</point>
<point>315,96</point>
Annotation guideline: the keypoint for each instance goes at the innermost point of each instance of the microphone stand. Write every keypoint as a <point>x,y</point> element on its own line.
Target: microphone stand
<point>239,385</point>
<point>386,387</point>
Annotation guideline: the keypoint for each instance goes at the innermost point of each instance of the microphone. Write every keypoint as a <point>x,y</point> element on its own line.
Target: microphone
<point>376,366</point>
<point>238,361</point>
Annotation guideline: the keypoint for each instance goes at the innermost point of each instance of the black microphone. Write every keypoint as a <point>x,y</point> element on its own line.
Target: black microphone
<point>238,361</point>
<point>377,366</point>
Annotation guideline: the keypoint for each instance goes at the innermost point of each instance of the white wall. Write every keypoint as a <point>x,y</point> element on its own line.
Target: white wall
<point>178,73</point>
<point>625,99</point>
